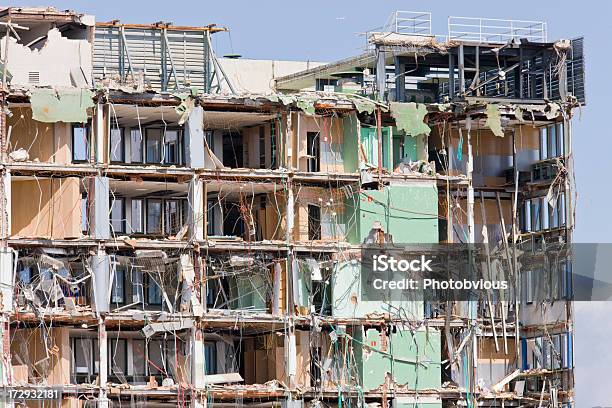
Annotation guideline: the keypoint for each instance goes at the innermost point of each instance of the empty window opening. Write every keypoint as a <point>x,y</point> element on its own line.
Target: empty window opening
<point>233,224</point>
<point>314,222</point>
<point>273,148</point>
<point>313,151</point>
<point>262,147</point>
<point>233,150</point>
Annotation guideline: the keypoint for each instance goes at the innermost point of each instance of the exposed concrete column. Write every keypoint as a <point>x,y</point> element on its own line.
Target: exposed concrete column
<point>7,269</point>
<point>100,266</point>
<point>98,203</point>
<point>470,190</point>
<point>103,401</point>
<point>290,212</point>
<point>194,138</point>
<point>461,69</point>
<point>291,357</point>
<point>569,180</point>
<point>198,362</point>
<point>195,197</point>
<point>276,289</point>
<point>101,136</point>
<point>381,73</point>
<point>5,205</point>
<point>400,79</point>
<point>6,299</point>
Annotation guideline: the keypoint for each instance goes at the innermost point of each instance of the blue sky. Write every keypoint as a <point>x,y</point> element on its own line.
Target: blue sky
<point>327,30</point>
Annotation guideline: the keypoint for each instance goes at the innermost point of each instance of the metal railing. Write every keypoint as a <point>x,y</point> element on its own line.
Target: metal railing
<point>495,30</point>
<point>409,22</point>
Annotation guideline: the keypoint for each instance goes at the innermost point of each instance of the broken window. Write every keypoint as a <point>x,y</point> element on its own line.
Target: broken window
<point>117,147</point>
<point>117,215</point>
<point>313,151</point>
<point>314,222</point>
<point>80,143</point>
<point>135,146</point>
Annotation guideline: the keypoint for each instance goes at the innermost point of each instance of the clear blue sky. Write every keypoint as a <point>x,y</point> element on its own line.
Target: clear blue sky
<point>327,30</point>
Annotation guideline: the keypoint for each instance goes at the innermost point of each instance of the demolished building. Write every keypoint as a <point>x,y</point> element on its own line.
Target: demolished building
<point>168,240</point>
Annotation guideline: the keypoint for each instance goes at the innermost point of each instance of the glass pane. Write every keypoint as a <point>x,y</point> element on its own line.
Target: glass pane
<point>560,140</point>
<point>154,217</point>
<point>154,144</point>
<point>138,352</point>
<point>137,286</point>
<point>172,147</point>
<point>116,145</point>
<point>118,290</point>
<point>552,141</point>
<point>136,219</point>
<point>79,143</point>
<point>154,296</point>
<point>210,358</point>
<point>117,357</point>
<point>84,215</point>
<point>172,217</point>
<point>535,215</point>
<point>135,146</point>
<point>156,364</point>
<point>117,217</point>
<point>543,143</point>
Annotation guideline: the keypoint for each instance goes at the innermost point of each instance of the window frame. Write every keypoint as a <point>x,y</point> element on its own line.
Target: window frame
<point>115,341</point>
<point>150,283</point>
<point>121,144</point>
<point>123,270</point>
<point>314,232</point>
<point>313,152</point>
<point>123,219</point>
<point>161,216</point>
<point>85,127</point>
<point>139,144</point>
<point>141,216</point>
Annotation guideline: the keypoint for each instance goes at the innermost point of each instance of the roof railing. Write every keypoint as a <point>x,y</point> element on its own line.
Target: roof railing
<point>495,30</point>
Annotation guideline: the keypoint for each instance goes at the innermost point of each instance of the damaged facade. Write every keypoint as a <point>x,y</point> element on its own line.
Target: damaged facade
<point>167,239</point>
